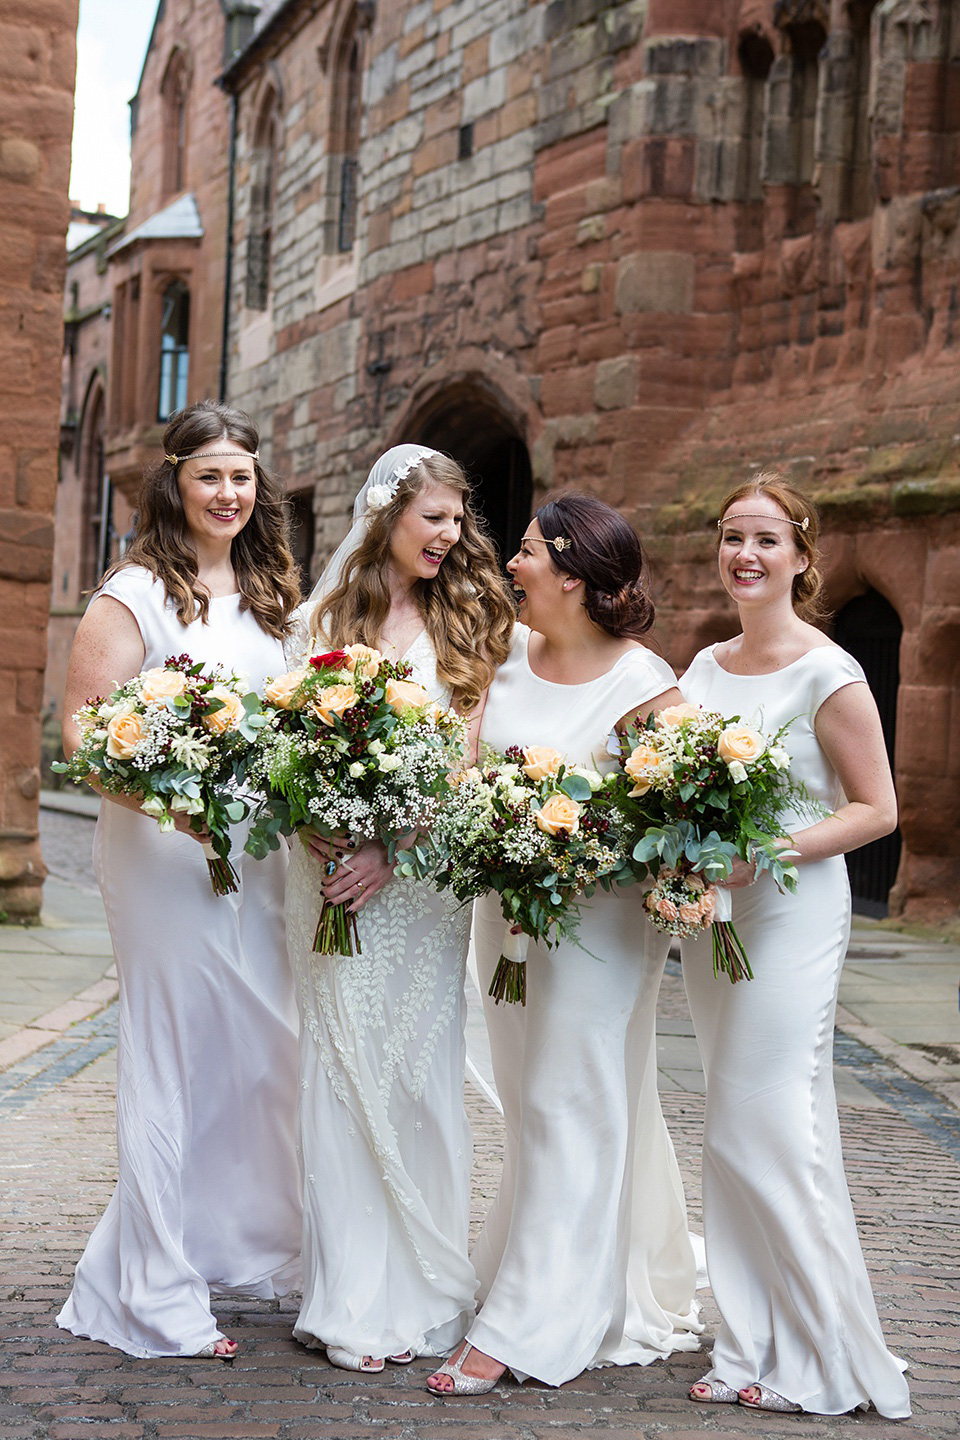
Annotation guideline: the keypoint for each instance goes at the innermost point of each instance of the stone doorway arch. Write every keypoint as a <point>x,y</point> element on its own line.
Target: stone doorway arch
<point>468,423</point>
<point>870,629</point>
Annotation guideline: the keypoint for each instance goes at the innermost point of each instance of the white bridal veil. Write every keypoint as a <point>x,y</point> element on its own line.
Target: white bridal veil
<point>378,490</point>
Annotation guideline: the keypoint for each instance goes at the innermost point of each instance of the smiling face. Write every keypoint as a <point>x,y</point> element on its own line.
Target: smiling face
<point>759,557</point>
<point>537,583</point>
<point>427,527</point>
<point>218,491</point>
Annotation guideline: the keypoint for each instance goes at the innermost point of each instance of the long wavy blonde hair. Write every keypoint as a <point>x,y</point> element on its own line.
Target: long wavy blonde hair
<point>467,609</point>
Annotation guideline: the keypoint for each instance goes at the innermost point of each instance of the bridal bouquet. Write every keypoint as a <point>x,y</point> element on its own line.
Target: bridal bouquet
<point>173,736</point>
<point>534,829</point>
<point>698,790</point>
<point>351,746</point>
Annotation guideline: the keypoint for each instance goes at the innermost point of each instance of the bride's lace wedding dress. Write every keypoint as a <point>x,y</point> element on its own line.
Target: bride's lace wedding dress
<point>384,1140</point>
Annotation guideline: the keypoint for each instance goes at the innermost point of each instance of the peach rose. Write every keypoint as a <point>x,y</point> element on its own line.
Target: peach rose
<point>539,762</point>
<point>363,661</point>
<point>691,914</point>
<point>229,715</point>
<point>676,714</point>
<point>124,733</point>
<point>558,812</point>
<point>158,685</point>
<point>282,690</point>
<point>333,700</point>
<point>405,695</point>
<point>708,903</point>
<point>666,908</point>
<point>642,766</point>
<point>739,742</point>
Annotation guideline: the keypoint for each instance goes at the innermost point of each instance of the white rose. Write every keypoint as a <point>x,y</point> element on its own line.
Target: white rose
<point>375,747</point>
<point>779,757</point>
<point>738,771</point>
<point>386,763</point>
<point>378,496</point>
<point>154,807</point>
<point>356,770</point>
<point>167,824</point>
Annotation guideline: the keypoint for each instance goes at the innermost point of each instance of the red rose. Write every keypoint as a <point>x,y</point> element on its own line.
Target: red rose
<point>333,659</point>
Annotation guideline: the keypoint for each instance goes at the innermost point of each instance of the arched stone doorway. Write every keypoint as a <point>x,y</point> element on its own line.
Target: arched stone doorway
<point>469,425</point>
<point>869,628</point>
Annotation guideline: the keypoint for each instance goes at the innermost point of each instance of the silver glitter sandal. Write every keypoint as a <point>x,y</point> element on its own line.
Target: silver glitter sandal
<point>720,1394</point>
<point>463,1384</point>
<point>769,1400</point>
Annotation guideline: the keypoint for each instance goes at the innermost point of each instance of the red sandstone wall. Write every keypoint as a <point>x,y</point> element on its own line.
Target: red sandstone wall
<point>37,66</point>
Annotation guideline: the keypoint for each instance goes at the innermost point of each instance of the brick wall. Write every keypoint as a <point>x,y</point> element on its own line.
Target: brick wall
<point>37,64</point>
<point>630,232</point>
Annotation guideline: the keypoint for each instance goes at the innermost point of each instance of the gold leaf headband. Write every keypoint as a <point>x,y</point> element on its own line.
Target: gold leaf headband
<point>559,542</point>
<point>803,524</point>
<point>213,455</point>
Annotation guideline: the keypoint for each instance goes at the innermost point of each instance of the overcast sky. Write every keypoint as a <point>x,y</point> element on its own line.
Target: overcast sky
<point>111,44</point>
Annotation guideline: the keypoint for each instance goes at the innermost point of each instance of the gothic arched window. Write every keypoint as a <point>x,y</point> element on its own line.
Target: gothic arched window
<point>174,94</point>
<point>260,225</point>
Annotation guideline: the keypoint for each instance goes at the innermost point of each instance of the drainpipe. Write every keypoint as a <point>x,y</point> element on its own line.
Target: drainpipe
<point>228,268</point>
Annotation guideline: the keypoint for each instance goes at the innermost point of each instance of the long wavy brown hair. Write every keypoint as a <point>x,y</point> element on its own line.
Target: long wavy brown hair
<point>808,585</point>
<point>467,609</point>
<point>266,572</point>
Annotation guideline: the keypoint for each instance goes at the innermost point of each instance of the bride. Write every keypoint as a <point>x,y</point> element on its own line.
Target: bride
<point>385,1145</point>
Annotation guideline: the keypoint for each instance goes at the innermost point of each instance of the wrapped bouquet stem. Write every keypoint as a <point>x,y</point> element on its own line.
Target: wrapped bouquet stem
<point>509,981</point>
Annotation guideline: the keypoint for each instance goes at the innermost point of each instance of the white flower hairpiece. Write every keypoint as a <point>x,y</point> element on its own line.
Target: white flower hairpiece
<point>379,496</point>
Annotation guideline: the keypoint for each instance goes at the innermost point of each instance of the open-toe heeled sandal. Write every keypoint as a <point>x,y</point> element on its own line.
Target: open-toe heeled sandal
<point>720,1394</point>
<point>219,1349</point>
<point>462,1384</point>
<point>768,1400</point>
<point>346,1360</point>
<point>405,1357</point>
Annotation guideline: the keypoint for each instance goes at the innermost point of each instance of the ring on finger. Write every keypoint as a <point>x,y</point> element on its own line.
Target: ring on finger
<point>359,887</point>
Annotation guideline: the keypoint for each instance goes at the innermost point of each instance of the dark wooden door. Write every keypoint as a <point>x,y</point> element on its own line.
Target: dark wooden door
<point>869,628</point>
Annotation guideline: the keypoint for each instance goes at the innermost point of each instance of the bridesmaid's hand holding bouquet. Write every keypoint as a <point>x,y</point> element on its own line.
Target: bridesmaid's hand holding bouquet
<point>534,829</point>
<point>351,747</point>
<point>174,737</point>
<point>699,790</point>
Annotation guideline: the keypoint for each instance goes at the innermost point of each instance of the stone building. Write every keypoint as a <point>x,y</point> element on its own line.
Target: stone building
<point>643,247</point>
<point>37,65</point>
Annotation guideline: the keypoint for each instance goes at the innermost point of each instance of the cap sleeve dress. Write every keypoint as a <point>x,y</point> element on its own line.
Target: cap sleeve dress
<point>207,1198</point>
<point>783,1254</point>
<point>584,1258</point>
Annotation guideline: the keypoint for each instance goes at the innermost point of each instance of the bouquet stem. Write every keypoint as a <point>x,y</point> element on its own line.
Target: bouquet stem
<point>336,931</point>
<point>509,981</point>
<point>223,877</point>
<point>729,955</point>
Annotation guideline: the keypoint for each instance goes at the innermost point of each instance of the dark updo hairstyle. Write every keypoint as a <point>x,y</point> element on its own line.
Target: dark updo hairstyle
<point>808,585</point>
<point>606,554</point>
<point>260,554</point>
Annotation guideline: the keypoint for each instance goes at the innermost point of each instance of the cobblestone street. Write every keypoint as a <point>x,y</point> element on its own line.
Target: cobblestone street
<point>902,1147</point>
